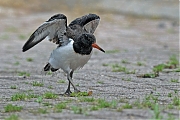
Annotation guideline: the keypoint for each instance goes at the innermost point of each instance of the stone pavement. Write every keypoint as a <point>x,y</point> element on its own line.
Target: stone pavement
<point>135,45</point>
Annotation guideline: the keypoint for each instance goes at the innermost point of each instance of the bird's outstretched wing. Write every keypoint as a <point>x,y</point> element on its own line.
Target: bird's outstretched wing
<point>54,28</point>
<point>88,22</point>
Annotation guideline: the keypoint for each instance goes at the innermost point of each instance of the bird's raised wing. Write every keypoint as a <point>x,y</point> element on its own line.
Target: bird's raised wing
<point>54,28</point>
<point>88,22</point>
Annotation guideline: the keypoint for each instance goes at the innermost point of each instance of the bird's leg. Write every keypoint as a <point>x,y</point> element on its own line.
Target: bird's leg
<point>68,91</point>
<point>69,76</point>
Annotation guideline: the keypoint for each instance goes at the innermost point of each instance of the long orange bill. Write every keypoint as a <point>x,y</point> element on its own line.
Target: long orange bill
<point>94,45</point>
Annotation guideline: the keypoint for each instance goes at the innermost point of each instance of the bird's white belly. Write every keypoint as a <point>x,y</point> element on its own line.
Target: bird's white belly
<point>67,59</point>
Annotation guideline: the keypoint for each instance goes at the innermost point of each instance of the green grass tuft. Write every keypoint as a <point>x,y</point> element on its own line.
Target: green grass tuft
<point>29,59</point>
<point>61,81</point>
<point>12,117</point>
<point>58,107</point>
<point>36,83</point>
<point>86,99</point>
<point>50,95</point>
<point>23,74</point>
<point>12,108</point>
<point>13,87</point>
<point>119,68</point>
<point>77,110</point>
<point>74,94</point>
<point>175,80</point>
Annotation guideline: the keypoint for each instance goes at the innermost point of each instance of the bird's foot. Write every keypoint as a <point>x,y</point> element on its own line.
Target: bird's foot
<point>67,93</point>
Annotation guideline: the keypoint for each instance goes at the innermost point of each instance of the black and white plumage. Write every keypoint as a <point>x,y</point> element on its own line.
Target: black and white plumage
<point>75,43</point>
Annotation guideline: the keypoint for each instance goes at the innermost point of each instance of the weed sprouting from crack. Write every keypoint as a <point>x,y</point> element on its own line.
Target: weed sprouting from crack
<point>37,83</point>
<point>50,95</point>
<point>12,117</point>
<point>119,68</point>
<point>58,107</point>
<point>12,108</point>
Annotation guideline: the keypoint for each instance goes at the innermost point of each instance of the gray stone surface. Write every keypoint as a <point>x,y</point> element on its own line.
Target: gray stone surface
<point>150,41</point>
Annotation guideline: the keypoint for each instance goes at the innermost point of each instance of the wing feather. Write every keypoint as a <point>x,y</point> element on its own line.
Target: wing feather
<point>54,28</point>
<point>88,22</point>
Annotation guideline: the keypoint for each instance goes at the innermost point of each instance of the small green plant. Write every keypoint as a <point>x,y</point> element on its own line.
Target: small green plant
<point>29,59</point>
<point>77,84</point>
<point>120,109</point>
<point>31,95</point>
<point>119,68</point>
<point>50,95</point>
<point>176,101</point>
<point>126,79</point>
<point>22,96</point>
<point>58,107</point>
<point>77,110</point>
<point>157,112</point>
<point>94,108</point>
<point>140,64</point>
<point>113,104</point>
<point>18,96</point>
<point>158,68</point>
<point>105,64</point>
<point>39,99</point>
<point>105,104</point>
<point>100,82</point>
<point>61,81</point>
<point>74,94</point>
<point>49,73</point>
<point>12,117</point>
<point>170,106</point>
<point>42,111</point>
<point>122,100</point>
<point>173,61</point>
<point>137,104</point>
<point>127,106</point>
<point>148,75</point>
<point>125,62</point>
<point>47,104</point>
<point>26,82</point>
<point>23,74</point>
<point>177,70</point>
<point>12,108</point>
<point>175,80</point>
<point>13,87</point>
<point>148,102</point>
<point>50,87</point>
<point>169,94</point>
<point>86,99</point>
<point>16,63</point>
<point>170,117</point>
<point>36,83</point>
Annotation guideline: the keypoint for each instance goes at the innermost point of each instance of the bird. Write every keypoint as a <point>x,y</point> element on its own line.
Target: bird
<point>75,43</point>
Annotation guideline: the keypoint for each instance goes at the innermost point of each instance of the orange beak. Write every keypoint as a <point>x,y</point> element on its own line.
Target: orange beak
<point>94,45</point>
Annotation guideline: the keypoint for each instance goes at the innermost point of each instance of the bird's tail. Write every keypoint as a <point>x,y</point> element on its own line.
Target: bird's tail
<point>48,67</point>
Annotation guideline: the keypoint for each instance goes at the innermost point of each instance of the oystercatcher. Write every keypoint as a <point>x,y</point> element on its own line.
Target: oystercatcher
<point>75,43</point>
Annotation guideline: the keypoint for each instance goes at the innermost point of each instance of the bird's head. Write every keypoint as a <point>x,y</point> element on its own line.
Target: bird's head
<point>90,40</point>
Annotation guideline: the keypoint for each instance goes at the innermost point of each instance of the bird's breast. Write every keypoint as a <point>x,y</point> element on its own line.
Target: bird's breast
<point>67,59</point>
